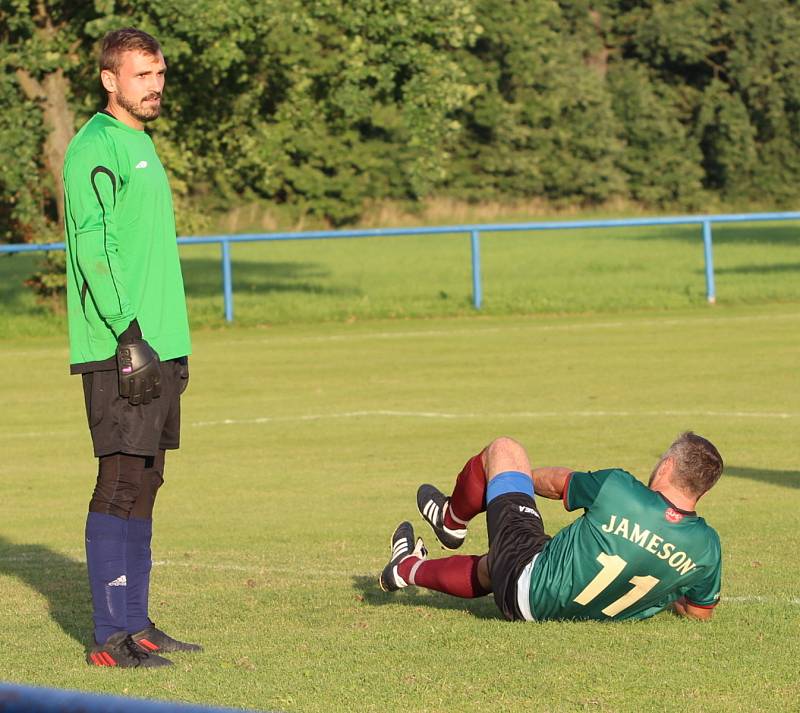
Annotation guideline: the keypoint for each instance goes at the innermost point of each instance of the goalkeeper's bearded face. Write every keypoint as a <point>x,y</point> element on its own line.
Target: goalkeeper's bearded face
<point>137,85</point>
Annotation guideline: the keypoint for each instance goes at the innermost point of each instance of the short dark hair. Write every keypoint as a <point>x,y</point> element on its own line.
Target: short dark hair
<point>698,464</point>
<point>117,42</point>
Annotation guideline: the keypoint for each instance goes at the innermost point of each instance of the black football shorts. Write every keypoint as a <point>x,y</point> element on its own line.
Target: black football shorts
<point>143,430</point>
<point>516,535</point>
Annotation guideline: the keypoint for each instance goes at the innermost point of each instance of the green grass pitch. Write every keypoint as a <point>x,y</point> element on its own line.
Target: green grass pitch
<point>304,442</point>
<point>302,448</point>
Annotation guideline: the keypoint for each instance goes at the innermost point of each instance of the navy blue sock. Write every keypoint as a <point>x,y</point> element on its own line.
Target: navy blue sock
<point>139,560</point>
<point>105,560</point>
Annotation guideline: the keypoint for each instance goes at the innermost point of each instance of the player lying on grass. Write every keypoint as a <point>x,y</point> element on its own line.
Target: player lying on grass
<point>635,550</point>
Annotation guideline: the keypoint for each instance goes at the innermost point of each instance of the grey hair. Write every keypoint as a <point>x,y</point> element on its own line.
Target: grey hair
<point>698,464</point>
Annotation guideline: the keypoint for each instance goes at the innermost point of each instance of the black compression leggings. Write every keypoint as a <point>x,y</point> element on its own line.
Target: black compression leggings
<point>127,485</point>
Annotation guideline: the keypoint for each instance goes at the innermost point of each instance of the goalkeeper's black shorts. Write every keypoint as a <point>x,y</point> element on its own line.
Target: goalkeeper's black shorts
<point>143,430</point>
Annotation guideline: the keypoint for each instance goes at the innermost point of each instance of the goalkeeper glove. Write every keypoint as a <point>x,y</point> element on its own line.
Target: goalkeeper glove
<point>138,367</point>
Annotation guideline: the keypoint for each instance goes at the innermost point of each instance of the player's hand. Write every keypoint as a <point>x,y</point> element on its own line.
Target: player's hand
<point>138,367</point>
<point>679,606</point>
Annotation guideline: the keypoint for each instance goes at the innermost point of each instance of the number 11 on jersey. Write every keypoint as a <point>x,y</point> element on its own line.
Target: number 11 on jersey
<point>612,566</point>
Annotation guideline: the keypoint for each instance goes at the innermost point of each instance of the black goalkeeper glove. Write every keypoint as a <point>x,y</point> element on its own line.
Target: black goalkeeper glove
<point>138,367</point>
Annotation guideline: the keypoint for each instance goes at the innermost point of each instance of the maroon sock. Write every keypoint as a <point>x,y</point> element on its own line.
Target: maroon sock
<point>469,494</point>
<point>456,575</point>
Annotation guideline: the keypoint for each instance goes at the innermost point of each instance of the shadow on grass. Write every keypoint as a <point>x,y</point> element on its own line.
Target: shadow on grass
<point>758,269</point>
<point>368,588</point>
<point>724,234</point>
<point>203,278</point>
<point>784,478</point>
<point>60,580</point>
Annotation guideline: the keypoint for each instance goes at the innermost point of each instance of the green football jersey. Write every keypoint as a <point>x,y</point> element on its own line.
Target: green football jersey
<point>628,556</point>
<point>122,252</point>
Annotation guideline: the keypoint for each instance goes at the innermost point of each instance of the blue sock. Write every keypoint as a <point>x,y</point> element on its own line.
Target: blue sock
<point>140,561</point>
<point>105,560</point>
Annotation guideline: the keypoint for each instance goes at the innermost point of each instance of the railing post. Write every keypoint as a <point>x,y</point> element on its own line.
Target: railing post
<point>227,286</point>
<point>711,294</point>
<point>476,269</point>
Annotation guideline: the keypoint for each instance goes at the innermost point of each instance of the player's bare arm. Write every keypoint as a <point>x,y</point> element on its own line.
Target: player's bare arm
<point>549,482</point>
<point>684,608</point>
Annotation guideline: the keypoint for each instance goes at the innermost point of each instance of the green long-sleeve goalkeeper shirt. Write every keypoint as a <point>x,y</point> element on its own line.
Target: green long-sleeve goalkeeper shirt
<point>122,253</point>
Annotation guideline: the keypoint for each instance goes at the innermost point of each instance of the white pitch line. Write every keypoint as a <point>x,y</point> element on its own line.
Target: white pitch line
<point>214,567</point>
<point>479,328</point>
<point>442,415</point>
<point>264,569</point>
<point>47,352</point>
<point>494,415</point>
<point>347,574</point>
<point>532,326</point>
<point>760,599</point>
<point>9,434</point>
<point>38,561</point>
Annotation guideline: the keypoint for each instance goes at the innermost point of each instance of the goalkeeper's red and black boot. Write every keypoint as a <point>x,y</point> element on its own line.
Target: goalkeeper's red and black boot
<point>119,650</point>
<point>154,640</point>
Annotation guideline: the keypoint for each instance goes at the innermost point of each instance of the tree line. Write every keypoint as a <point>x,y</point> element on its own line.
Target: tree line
<point>327,105</point>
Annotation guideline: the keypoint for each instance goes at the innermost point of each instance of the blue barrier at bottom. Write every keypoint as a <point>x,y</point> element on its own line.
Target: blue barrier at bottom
<point>28,699</point>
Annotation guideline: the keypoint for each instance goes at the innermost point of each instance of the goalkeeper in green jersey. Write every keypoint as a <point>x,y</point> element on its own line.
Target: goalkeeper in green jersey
<point>636,549</point>
<point>129,340</point>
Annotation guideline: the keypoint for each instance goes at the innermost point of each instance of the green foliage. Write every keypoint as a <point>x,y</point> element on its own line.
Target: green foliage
<point>541,123</point>
<point>21,177</point>
<point>733,73</point>
<point>660,159</point>
<point>321,104</point>
<point>49,282</point>
<point>329,105</point>
<point>22,132</point>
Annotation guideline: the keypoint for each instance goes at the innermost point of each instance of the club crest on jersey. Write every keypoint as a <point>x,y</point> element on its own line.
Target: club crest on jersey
<point>672,515</point>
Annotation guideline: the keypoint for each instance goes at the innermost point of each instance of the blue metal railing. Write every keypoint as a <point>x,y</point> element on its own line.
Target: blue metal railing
<point>15,698</point>
<point>474,231</point>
